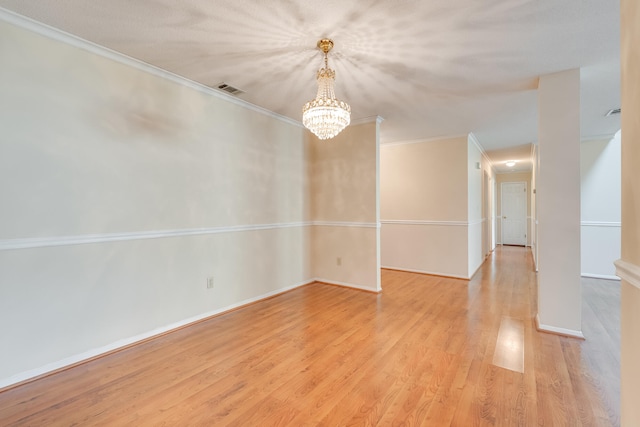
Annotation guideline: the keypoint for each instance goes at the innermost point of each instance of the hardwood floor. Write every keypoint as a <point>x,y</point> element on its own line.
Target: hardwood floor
<point>420,353</point>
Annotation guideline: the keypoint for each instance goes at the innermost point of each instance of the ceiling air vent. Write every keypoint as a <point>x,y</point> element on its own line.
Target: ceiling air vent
<point>612,112</point>
<point>229,89</point>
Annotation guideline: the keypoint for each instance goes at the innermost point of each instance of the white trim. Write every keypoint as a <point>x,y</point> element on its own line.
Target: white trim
<point>476,221</point>
<point>601,137</point>
<point>416,222</point>
<point>431,273</point>
<point>479,146</point>
<point>556,330</point>
<point>78,358</point>
<point>526,205</point>
<point>347,285</point>
<point>478,267</point>
<point>419,141</point>
<point>78,42</point>
<point>41,242</point>
<point>600,224</point>
<point>44,242</point>
<point>515,171</point>
<point>628,272</point>
<point>345,224</point>
<point>368,119</point>
<point>600,276</point>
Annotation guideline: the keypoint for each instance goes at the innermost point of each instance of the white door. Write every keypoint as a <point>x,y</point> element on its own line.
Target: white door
<point>514,213</point>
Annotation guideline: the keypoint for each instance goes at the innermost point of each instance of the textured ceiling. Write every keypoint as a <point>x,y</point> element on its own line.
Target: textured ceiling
<point>429,68</point>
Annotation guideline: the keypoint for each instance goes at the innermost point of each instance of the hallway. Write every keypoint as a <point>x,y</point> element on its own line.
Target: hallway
<point>427,351</point>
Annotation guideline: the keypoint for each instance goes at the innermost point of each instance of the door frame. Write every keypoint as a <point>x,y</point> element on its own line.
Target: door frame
<point>486,214</point>
<point>525,218</point>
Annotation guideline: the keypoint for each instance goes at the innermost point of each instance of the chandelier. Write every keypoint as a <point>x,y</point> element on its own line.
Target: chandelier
<point>326,116</point>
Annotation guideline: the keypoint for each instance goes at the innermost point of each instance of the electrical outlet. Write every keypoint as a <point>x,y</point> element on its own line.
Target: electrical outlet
<point>339,261</point>
<point>210,282</point>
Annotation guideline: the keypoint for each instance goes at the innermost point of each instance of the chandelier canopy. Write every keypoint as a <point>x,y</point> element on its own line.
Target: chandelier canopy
<point>326,116</point>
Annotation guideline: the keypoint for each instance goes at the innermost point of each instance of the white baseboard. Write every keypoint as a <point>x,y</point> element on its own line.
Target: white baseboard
<point>600,276</point>
<point>431,273</point>
<point>558,331</point>
<point>478,268</point>
<point>100,351</point>
<point>347,285</point>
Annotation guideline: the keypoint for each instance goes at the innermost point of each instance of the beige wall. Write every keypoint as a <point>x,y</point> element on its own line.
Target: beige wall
<point>630,315</point>
<point>431,206</point>
<point>343,176</point>
<point>424,181</point>
<point>513,177</point>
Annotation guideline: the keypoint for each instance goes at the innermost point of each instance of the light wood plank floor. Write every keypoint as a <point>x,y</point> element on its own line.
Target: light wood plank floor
<point>420,353</point>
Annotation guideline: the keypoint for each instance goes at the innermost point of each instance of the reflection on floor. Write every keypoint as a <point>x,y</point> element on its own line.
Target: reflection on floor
<point>509,351</point>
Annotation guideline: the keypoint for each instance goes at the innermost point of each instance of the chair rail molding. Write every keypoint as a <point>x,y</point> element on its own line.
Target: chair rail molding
<point>421,222</point>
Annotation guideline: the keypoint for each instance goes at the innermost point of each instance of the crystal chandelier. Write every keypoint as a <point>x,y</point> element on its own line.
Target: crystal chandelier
<point>326,116</point>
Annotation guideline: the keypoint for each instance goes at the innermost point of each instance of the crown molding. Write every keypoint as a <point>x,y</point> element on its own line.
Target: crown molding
<point>483,152</point>
<point>368,119</point>
<point>516,171</point>
<point>80,43</point>
<point>421,140</point>
<point>604,136</point>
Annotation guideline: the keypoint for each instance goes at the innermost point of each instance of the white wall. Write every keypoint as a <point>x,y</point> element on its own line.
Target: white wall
<point>558,203</point>
<point>600,206</point>
<point>533,205</point>
<point>475,219</point>
<point>122,191</point>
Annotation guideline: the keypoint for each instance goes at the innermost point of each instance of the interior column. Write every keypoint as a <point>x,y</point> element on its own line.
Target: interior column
<point>558,203</point>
